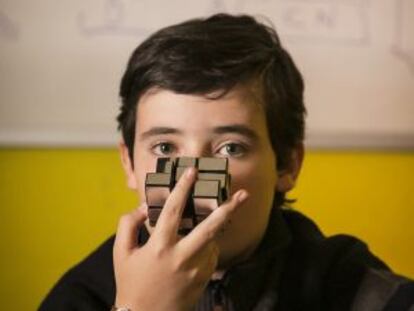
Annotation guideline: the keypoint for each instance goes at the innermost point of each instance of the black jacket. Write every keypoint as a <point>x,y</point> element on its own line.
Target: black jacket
<point>294,268</point>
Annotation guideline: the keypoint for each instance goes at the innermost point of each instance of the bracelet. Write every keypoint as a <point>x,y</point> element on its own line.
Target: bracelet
<point>119,309</point>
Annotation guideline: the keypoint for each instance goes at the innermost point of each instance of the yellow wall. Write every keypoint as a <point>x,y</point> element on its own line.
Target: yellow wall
<point>57,205</point>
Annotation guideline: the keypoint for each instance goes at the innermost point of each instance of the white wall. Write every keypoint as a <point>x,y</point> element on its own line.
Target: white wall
<point>61,62</point>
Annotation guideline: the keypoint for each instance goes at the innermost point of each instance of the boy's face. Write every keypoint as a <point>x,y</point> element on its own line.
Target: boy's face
<point>234,126</point>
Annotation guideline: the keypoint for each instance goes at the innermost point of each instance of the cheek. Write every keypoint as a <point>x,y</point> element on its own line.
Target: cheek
<point>258,176</point>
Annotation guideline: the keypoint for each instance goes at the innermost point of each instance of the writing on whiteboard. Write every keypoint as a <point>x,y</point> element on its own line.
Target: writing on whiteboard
<point>111,21</point>
<point>326,21</point>
<point>315,20</point>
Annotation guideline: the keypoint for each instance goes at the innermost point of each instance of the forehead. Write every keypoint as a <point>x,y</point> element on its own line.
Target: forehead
<point>159,107</point>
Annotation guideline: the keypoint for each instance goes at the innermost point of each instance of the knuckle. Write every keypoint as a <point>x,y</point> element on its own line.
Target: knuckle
<point>159,250</point>
<point>195,275</point>
<point>124,220</point>
<point>180,187</point>
<point>179,265</point>
<point>172,209</point>
<point>230,205</point>
<point>227,211</point>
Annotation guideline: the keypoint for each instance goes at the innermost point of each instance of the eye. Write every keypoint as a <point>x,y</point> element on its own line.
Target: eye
<point>163,149</point>
<point>233,150</point>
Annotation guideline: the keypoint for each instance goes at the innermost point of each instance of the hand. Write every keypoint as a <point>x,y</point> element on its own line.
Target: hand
<point>170,272</point>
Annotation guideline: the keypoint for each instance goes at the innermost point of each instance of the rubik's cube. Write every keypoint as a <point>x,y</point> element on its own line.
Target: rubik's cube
<point>210,190</point>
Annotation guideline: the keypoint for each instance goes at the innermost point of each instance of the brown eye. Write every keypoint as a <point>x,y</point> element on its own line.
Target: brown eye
<point>163,149</point>
<point>232,150</point>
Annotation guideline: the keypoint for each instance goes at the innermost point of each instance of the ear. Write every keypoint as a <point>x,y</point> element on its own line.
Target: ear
<point>287,177</point>
<point>127,165</point>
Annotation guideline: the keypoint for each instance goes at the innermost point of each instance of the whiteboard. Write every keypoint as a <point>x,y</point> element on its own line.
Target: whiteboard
<point>61,63</point>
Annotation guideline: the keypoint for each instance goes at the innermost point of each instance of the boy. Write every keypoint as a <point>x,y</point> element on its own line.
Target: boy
<point>222,87</point>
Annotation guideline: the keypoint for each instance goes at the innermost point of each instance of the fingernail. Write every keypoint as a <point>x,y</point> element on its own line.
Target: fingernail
<point>242,196</point>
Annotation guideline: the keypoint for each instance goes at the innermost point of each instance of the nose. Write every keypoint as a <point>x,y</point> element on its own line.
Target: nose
<point>197,149</point>
<point>203,204</point>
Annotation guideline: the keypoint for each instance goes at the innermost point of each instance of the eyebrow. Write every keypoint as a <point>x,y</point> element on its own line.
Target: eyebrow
<point>237,129</point>
<point>232,128</point>
<point>160,130</point>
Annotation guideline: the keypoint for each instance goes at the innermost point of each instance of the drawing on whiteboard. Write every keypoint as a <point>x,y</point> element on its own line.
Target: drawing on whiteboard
<point>403,45</point>
<point>111,22</point>
<point>9,31</point>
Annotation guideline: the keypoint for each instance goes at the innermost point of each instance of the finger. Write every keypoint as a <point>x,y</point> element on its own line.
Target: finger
<point>202,266</point>
<point>208,230</point>
<point>213,260</point>
<point>213,254</point>
<point>127,233</point>
<point>209,257</point>
<point>170,217</point>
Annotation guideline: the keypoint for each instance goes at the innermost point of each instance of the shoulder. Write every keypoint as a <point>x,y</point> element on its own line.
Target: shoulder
<point>89,285</point>
<point>384,290</point>
<point>338,272</point>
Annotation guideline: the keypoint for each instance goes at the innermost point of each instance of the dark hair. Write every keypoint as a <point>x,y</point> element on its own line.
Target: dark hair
<point>202,56</point>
